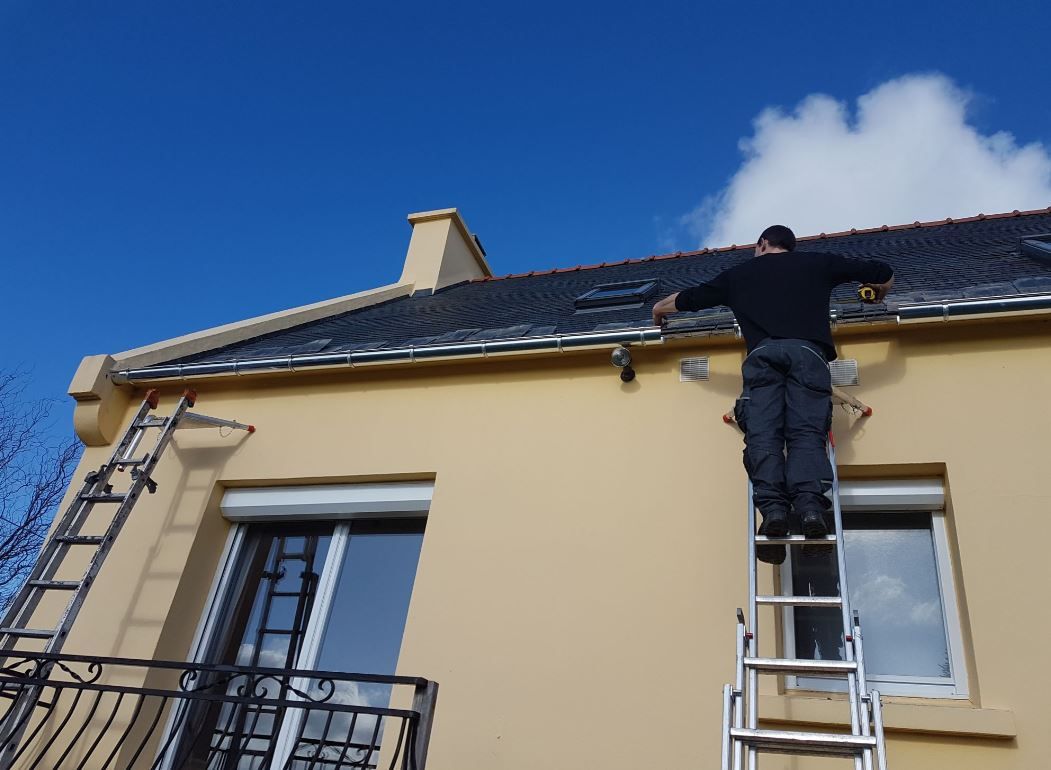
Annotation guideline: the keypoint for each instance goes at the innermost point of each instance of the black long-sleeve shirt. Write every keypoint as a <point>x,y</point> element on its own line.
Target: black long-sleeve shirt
<point>784,294</point>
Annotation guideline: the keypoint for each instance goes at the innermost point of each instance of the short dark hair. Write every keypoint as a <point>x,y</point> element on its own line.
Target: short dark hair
<point>779,237</point>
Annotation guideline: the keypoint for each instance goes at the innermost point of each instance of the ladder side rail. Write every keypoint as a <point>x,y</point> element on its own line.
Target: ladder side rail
<point>859,656</point>
<point>131,439</point>
<point>24,603</point>
<point>844,598</point>
<point>125,454</point>
<point>20,714</point>
<point>134,429</point>
<point>29,698</point>
<point>752,646</point>
<point>727,706</point>
<point>877,721</point>
<point>96,485</point>
<point>867,705</point>
<point>142,480</point>
<point>738,715</point>
<point>80,507</point>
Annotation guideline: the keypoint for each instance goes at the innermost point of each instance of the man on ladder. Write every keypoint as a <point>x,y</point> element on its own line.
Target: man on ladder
<point>781,302</point>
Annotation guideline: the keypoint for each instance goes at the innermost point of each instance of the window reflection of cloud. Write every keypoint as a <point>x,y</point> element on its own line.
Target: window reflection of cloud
<point>329,735</point>
<point>894,586</point>
<point>889,601</point>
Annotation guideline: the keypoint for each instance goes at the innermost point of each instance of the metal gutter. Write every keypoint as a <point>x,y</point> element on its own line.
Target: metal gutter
<point>986,307</point>
<point>983,308</point>
<point>556,343</point>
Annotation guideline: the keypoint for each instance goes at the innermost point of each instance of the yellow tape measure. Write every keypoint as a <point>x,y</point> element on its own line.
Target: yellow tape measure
<point>867,294</point>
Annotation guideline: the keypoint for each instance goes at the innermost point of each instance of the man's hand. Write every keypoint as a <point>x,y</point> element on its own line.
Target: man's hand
<point>663,308</point>
<point>881,289</point>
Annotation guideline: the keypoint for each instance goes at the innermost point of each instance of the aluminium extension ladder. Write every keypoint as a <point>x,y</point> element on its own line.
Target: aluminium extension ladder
<point>742,739</point>
<point>68,534</point>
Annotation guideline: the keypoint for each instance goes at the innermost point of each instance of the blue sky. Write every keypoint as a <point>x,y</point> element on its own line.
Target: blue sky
<point>169,167</point>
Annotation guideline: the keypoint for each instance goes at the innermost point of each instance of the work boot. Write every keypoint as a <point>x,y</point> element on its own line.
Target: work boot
<point>774,525</point>
<point>812,524</point>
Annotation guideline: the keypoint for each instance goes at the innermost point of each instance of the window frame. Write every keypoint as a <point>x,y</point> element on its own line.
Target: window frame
<point>888,497</point>
<point>347,503</point>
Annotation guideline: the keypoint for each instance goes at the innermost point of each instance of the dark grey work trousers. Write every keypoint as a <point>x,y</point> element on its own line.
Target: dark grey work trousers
<point>785,411</point>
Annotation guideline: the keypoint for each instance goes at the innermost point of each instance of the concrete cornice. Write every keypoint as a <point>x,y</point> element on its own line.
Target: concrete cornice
<point>100,403</point>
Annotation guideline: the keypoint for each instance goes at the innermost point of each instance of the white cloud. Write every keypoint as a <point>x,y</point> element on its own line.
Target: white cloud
<point>906,153</point>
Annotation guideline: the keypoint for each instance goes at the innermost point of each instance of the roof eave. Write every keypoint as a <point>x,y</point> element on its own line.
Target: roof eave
<point>975,310</point>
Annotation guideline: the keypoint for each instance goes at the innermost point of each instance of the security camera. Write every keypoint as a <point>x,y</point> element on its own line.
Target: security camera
<point>621,358</point>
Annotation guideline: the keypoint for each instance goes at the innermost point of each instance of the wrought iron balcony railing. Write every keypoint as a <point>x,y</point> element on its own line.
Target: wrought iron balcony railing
<point>91,713</point>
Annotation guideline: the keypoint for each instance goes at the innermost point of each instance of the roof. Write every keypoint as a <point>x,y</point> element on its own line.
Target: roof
<point>974,257</point>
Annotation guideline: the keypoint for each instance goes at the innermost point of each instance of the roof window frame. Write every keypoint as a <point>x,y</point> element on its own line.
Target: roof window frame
<point>592,300</point>
<point>1036,247</point>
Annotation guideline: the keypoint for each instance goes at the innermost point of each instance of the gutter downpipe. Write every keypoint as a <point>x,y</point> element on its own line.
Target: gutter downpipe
<point>990,307</point>
<point>558,343</point>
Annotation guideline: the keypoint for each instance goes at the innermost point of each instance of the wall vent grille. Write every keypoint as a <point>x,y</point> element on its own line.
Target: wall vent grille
<point>844,371</point>
<point>693,369</point>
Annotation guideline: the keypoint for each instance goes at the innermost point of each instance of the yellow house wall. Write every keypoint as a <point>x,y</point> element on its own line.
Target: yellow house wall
<point>584,551</point>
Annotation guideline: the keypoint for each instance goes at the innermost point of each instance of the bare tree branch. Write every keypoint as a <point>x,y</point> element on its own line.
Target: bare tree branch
<point>35,471</point>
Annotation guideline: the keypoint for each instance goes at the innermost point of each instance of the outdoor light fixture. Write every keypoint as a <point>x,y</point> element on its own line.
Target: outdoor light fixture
<point>621,358</point>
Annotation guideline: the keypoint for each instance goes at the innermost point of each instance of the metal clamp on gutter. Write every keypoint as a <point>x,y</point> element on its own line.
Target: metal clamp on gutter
<point>986,307</point>
<point>556,343</point>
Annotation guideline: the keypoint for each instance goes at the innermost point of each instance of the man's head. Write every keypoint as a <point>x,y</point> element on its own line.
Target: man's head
<point>774,239</point>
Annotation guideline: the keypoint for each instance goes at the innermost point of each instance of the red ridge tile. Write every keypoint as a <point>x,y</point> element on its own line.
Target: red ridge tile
<point>819,236</point>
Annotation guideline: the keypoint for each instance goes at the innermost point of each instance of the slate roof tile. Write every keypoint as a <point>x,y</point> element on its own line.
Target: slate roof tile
<point>932,260</point>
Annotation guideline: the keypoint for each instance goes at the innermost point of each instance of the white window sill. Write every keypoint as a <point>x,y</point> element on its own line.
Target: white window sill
<point>908,715</point>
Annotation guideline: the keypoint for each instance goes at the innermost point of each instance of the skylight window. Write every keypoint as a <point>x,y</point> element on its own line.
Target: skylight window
<point>617,296</point>
<point>1037,247</point>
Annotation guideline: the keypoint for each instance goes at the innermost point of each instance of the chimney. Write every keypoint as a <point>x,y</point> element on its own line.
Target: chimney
<point>442,251</point>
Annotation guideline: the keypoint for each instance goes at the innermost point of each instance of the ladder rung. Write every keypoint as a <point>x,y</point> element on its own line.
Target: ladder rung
<point>801,666</point>
<point>796,540</point>
<point>104,498</point>
<point>800,601</point>
<point>29,633</point>
<point>151,422</point>
<point>786,742</point>
<point>80,539</point>
<point>56,585</point>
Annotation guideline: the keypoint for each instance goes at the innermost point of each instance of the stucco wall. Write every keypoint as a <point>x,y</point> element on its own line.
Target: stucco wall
<point>584,551</point>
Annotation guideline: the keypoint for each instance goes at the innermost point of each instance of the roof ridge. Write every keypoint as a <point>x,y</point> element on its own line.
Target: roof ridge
<point>735,246</point>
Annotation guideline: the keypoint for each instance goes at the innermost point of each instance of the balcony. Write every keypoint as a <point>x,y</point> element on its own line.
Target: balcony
<point>92,713</point>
